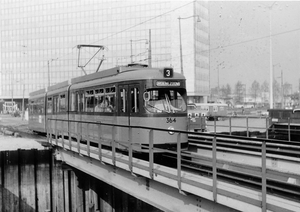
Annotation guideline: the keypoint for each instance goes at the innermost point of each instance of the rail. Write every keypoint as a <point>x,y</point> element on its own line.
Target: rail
<point>185,179</point>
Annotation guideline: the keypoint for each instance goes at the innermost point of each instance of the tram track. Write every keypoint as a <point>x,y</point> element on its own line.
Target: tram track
<point>250,145</point>
<point>243,176</point>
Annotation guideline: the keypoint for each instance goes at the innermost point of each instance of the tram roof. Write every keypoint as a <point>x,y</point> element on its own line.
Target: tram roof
<point>116,74</point>
<point>38,92</point>
<point>125,73</point>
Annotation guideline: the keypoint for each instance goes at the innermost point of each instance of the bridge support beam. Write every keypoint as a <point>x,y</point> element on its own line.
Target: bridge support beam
<point>161,196</point>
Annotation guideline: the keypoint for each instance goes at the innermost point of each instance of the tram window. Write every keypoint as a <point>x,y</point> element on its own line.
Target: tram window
<point>42,103</point>
<point>98,102</point>
<point>89,101</point>
<point>99,97</point>
<point>55,104</point>
<point>73,102</point>
<point>80,101</point>
<point>109,103</point>
<point>49,105</point>
<point>134,95</point>
<point>99,91</point>
<point>62,102</point>
<point>123,103</point>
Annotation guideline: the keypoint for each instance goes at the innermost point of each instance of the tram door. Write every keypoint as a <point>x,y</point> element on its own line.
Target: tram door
<point>80,114</point>
<point>128,108</point>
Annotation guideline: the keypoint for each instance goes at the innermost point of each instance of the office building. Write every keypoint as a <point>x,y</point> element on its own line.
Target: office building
<point>39,41</point>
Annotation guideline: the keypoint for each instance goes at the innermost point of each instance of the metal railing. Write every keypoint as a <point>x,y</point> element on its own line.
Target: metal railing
<point>251,126</point>
<point>88,147</point>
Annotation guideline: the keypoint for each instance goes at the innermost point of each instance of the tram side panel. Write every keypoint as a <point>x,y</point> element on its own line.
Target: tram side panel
<point>161,139</point>
<point>57,108</point>
<point>37,118</point>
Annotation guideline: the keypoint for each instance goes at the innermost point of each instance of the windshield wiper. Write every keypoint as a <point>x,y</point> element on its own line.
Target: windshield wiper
<point>171,109</point>
<point>157,108</point>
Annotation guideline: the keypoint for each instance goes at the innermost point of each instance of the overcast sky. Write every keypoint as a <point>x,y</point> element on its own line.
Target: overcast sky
<point>240,44</point>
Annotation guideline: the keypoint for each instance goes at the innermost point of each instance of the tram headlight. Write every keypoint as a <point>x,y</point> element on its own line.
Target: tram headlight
<point>171,132</point>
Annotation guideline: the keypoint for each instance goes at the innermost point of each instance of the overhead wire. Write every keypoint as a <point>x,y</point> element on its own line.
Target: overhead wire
<point>124,30</point>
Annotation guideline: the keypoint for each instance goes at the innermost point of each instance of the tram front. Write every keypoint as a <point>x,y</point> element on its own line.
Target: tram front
<point>164,102</point>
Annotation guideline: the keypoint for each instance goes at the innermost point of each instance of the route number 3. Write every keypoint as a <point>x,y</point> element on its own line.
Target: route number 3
<point>168,73</point>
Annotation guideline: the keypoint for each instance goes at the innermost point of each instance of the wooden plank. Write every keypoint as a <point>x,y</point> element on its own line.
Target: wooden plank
<point>66,190</point>
<point>10,185</point>
<point>43,160</point>
<point>1,180</point>
<point>27,181</point>
<point>57,186</point>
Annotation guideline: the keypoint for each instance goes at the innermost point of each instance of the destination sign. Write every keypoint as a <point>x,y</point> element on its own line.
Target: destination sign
<point>168,83</point>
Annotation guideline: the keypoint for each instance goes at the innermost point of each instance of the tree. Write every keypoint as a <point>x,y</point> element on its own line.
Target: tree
<point>264,88</point>
<point>239,91</point>
<point>254,90</point>
<point>225,91</point>
<point>287,89</point>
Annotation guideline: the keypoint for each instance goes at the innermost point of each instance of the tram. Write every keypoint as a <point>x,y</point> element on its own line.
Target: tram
<point>130,95</point>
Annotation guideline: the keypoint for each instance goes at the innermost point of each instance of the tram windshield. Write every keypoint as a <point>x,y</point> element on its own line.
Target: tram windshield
<point>165,100</point>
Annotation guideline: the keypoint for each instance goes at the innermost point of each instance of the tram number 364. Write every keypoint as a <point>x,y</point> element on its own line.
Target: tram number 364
<point>171,120</point>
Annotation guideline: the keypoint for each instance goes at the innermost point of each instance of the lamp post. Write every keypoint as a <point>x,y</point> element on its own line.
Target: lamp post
<point>222,63</point>
<point>281,85</point>
<point>271,56</point>
<point>48,73</point>
<point>49,70</point>
<point>180,44</point>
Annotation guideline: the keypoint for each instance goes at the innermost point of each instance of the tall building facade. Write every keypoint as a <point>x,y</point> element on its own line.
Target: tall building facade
<point>39,41</point>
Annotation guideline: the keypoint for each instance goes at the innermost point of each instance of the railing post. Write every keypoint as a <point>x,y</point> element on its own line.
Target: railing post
<point>267,127</point>
<point>151,159</point>
<point>230,125</point>
<point>49,134</point>
<point>130,149</point>
<point>78,137</point>
<point>99,142</point>
<point>214,167</point>
<point>263,177</point>
<point>56,136</point>
<point>114,145</point>
<point>179,161</point>
<point>289,128</point>
<point>47,130</point>
<point>215,125</point>
<point>62,138</point>
<point>70,136</point>
<point>247,125</point>
<point>88,139</point>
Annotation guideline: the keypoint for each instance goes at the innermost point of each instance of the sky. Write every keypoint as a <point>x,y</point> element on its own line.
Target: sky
<point>240,42</point>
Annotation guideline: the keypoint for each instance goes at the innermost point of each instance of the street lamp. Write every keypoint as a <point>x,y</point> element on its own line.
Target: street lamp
<point>222,63</point>
<point>180,45</point>
<point>49,70</point>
